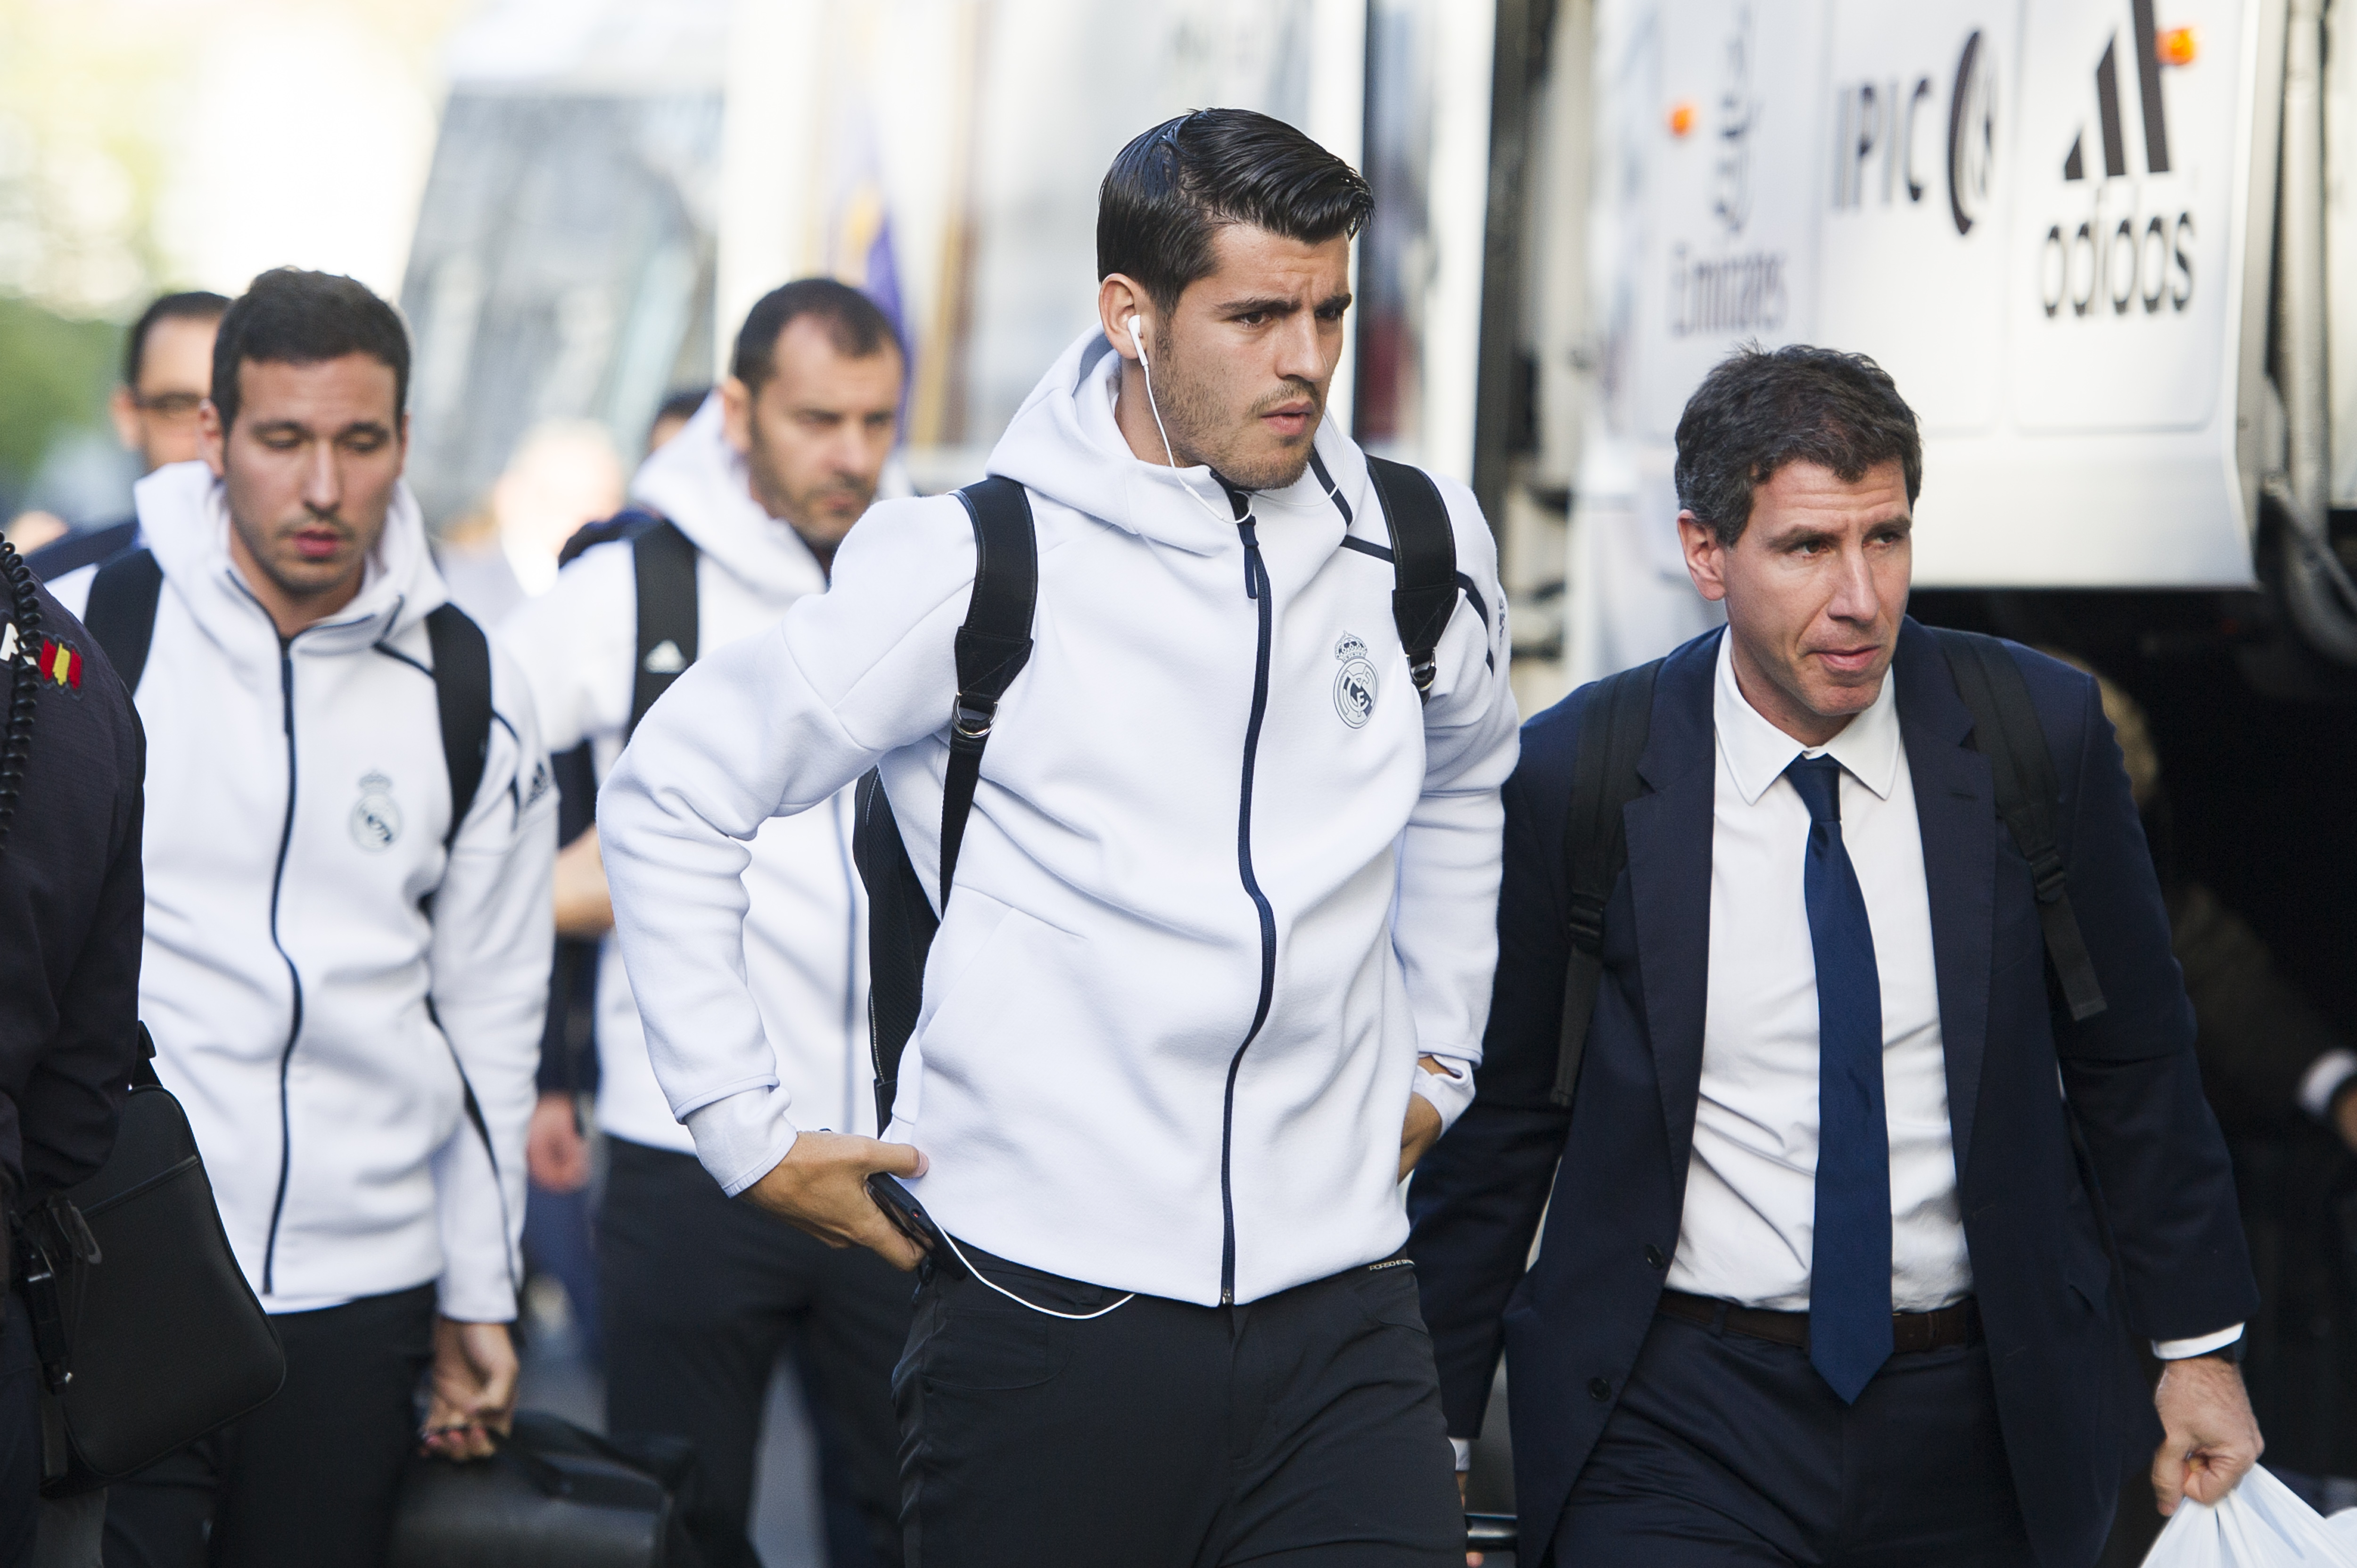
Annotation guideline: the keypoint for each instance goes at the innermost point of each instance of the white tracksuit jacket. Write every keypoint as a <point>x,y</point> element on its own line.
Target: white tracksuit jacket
<point>805,943</point>
<point>307,1008</point>
<point>1187,819</point>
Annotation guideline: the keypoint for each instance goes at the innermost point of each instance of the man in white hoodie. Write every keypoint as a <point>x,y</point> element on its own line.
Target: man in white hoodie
<point>1219,956</point>
<point>347,946</point>
<point>701,1295</point>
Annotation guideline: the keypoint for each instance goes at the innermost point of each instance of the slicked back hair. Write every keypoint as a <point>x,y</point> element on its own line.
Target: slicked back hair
<point>855,325</point>
<point>1171,190</point>
<point>289,317</point>
<point>196,305</point>
<point>1759,409</point>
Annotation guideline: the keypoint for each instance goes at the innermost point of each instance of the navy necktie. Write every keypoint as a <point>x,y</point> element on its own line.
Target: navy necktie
<point>1849,1280</point>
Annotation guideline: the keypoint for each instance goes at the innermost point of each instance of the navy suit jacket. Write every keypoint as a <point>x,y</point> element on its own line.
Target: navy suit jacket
<point>2071,1401</point>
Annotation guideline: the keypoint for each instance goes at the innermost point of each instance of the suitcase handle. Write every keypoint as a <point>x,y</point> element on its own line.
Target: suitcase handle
<point>1492,1532</point>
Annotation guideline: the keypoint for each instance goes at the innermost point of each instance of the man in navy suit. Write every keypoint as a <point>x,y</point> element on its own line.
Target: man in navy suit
<point>1825,1276</point>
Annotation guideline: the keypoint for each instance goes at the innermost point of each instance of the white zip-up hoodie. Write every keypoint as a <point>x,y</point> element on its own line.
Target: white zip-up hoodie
<point>1223,881</point>
<point>805,941</point>
<point>307,1006</point>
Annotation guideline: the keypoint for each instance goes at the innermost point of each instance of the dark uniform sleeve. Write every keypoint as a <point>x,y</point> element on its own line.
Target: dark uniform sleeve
<point>71,908</point>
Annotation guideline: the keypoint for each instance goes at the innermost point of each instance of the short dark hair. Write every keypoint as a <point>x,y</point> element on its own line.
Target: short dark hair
<point>1171,190</point>
<point>289,317</point>
<point>855,324</point>
<point>195,304</point>
<point>1759,409</point>
<point>680,404</point>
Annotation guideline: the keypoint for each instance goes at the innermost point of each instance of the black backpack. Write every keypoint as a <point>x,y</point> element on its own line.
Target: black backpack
<point>664,560</point>
<point>1604,780</point>
<point>994,644</point>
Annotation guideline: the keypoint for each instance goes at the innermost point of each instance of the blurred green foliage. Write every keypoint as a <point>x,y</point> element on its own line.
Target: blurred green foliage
<point>54,374</point>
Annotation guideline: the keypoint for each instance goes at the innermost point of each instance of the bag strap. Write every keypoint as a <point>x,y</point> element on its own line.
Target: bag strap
<point>1604,780</point>
<point>462,692</point>
<point>2006,730</point>
<point>1424,562</point>
<point>663,560</point>
<point>992,645</point>
<point>121,612</point>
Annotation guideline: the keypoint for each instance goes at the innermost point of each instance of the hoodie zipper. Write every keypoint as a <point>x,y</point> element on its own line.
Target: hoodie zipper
<point>295,1025</point>
<point>1257,589</point>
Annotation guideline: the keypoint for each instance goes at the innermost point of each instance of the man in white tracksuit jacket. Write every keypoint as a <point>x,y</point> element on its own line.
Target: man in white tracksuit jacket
<point>324,979</point>
<point>1219,958</point>
<point>701,1295</point>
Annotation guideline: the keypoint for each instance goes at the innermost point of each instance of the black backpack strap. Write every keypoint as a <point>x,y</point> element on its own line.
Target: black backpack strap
<point>462,692</point>
<point>2006,730</point>
<point>900,926</point>
<point>1423,562</point>
<point>627,523</point>
<point>664,560</point>
<point>121,613</point>
<point>1604,780</point>
<point>992,645</point>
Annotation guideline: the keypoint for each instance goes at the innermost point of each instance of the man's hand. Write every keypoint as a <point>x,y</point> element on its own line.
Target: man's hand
<point>2213,1440</point>
<point>2344,1113</point>
<point>585,907</point>
<point>555,1154</point>
<point>820,1188</point>
<point>1472,1559</point>
<point>1422,1129</point>
<point>474,1390</point>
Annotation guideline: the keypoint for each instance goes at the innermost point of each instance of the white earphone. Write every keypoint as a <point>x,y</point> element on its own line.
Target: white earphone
<point>1137,341</point>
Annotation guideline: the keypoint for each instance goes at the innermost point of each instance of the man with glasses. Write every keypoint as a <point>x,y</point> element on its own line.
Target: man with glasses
<point>167,359</point>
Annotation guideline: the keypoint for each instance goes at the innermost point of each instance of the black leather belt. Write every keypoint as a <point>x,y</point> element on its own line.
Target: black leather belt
<point>1911,1332</point>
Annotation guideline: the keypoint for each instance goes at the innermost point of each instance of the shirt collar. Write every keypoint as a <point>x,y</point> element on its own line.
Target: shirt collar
<point>1757,752</point>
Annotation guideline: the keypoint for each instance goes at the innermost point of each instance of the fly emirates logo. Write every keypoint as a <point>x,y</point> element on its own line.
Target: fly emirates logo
<point>2122,243</point>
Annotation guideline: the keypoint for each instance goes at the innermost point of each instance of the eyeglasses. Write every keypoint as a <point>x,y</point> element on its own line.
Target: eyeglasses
<point>173,406</point>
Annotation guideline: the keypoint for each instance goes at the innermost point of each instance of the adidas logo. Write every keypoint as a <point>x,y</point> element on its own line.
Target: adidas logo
<point>665,659</point>
<point>2107,105</point>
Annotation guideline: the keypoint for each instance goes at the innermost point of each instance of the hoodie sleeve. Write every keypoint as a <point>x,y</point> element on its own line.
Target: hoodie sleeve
<point>493,931</point>
<point>1445,926</point>
<point>768,726</point>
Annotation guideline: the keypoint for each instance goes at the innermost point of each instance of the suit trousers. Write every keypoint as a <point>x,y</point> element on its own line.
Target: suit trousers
<point>1302,1430</point>
<point>308,1478</point>
<point>702,1293</point>
<point>1727,1451</point>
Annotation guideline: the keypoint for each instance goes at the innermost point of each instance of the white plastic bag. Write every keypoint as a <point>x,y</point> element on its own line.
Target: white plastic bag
<point>2262,1524</point>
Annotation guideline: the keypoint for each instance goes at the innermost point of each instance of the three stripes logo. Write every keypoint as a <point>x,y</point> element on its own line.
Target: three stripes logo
<point>2132,253</point>
<point>2154,117</point>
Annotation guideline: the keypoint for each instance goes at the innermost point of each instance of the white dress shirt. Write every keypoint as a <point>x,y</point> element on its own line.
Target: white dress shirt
<point>1751,1204</point>
<point>1751,1208</point>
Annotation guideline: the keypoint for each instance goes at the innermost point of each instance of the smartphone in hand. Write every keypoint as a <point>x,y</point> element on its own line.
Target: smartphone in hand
<point>908,1218</point>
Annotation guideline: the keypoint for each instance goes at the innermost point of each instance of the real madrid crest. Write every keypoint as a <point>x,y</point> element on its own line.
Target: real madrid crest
<point>1355,687</point>
<point>376,820</point>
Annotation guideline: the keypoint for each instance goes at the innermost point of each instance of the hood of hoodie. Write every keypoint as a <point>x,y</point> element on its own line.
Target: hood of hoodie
<point>1065,444</point>
<point>701,484</point>
<point>184,520</point>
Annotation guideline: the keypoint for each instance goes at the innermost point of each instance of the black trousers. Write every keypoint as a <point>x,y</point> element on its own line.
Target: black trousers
<point>1731,1452</point>
<point>311,1478</point>
<point>702,1293</point>
<point>1303,1430</point>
